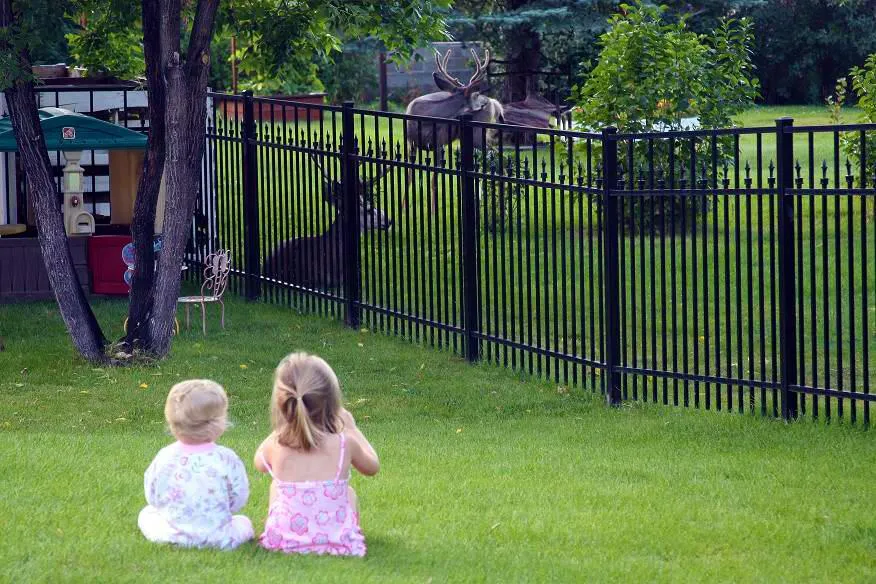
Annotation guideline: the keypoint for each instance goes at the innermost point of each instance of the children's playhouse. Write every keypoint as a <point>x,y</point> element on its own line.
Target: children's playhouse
<point>95,245</point>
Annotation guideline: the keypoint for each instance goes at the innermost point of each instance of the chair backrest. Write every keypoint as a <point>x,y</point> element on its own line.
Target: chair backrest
<point>217,266</point>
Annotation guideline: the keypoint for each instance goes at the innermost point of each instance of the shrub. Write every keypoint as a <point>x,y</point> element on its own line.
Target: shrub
<point>350,75</point>
<point>652,74</point>
<point>864,85</point>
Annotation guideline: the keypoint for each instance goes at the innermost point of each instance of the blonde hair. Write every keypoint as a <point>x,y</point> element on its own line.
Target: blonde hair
<point>197,410</point>
<point>306,402</point>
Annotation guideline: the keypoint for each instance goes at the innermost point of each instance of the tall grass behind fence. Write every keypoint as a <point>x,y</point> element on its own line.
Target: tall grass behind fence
<point>721,269</point>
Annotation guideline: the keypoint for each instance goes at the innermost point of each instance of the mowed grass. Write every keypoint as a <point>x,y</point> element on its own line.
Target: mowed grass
<point>487,476</point>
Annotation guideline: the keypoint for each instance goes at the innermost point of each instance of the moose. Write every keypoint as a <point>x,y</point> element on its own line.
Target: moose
<point>454,100</point>
<point>318,261</point>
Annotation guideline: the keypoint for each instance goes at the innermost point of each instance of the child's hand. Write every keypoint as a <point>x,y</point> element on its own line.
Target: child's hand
<point>347,418</point>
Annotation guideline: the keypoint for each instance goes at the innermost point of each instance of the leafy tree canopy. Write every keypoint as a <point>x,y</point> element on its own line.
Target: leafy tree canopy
<point>653,72</point>
<point>277,39</point>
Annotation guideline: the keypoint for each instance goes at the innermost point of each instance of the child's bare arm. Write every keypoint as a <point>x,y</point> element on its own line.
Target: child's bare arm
<point>262,453</point>
<point>363,457</point>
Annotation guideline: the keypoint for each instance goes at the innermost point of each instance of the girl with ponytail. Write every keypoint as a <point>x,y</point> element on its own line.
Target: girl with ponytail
<point>315,443</point>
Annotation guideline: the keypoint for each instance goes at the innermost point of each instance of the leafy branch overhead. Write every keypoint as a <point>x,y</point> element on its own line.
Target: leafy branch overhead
<point>278,41</point>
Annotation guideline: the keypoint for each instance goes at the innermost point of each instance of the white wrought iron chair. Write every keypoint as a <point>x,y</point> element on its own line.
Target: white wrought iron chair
<point>217,266</point>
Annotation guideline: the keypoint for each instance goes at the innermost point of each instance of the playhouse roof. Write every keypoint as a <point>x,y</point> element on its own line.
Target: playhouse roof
<point>66,130</point>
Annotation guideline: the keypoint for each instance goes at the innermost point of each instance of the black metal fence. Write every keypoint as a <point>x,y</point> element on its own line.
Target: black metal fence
<point>718,269</point>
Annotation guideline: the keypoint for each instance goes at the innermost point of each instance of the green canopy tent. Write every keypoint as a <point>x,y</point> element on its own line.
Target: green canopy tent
<point>72,133</point>
<point>66,130</point>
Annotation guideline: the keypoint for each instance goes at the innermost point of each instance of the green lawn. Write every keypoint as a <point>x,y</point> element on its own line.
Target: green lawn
<point>487,476</point>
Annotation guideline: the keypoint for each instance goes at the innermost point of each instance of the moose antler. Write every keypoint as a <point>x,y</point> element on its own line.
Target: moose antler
<point>441,66</point>
<point>480,67</point>
<point>320,166</point>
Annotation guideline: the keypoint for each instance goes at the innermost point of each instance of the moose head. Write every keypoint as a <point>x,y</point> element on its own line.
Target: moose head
<point>454,100</point>
<point>370,217</point>
<point>317,261</point>
<point>465,98</point>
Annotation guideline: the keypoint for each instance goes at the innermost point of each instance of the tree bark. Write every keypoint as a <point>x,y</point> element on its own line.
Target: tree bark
<point>186,117</point>
<point>524,53</point>
<point>72,302</point>
<point>139,333</point>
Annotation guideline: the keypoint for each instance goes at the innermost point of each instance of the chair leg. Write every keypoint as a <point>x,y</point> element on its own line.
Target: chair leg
<point>222,304</point>
<point>204,318</point>
<point>188,316</point>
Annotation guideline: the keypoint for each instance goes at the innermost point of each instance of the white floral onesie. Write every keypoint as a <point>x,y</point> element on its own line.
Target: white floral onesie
<point>192,491</point>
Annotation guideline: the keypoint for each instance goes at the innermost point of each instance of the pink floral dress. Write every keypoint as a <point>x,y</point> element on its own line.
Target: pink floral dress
<point>313,517</point>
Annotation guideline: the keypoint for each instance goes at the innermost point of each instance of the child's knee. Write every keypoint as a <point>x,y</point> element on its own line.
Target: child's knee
<point>152,525</point>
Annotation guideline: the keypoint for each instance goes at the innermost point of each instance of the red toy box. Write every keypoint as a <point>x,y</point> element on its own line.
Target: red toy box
<point>106,265</point>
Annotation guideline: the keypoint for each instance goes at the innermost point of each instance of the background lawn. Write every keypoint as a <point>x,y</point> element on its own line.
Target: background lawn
<point>539,259</point>
<point>486,476</point>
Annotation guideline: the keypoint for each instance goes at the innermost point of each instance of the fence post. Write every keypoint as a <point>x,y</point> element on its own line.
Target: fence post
<point>352,262</point>
<point>611,282</point>
<point>252,264</point>
<point>787,276</point>
<point>469,247</point>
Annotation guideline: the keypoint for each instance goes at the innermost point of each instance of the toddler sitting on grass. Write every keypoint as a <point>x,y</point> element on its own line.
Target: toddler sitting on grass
<point>193,486</point>
<point>313,509</point>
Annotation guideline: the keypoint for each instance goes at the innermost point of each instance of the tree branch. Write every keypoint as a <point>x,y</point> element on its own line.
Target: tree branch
<point>198,55</point>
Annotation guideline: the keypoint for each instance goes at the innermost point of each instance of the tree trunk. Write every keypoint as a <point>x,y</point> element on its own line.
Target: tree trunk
<point>524,53</point>
<point>72,302</point>
<point>139,332</point>
<point>186,117</point>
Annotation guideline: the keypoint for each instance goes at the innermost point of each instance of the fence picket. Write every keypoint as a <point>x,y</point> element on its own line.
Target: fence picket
<point>529,228</point>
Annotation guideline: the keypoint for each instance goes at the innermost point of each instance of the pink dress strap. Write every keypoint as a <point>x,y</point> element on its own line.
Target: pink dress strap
<point>267,464</point>
<point>341,456</point>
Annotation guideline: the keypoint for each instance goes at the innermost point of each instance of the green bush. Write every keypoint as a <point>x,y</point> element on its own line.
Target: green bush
<point>350,75</point>
<point>652,73</point>
<point>864,86</point>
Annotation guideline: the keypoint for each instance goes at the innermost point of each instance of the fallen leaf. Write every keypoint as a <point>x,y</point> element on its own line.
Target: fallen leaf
<point>84,392</point>
<point>244,366</point>
<point>144,386</point>
<point>361,344</point>
<point>121,419</point>
<point>459,430</point>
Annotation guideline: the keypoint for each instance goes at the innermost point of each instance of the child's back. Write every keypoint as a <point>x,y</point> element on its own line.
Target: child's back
<point>313,509</point>
<point>315,512</point>
<point>194,485</point>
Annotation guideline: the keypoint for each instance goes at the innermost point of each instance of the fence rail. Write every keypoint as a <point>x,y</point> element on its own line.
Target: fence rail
<point>718,269</point>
